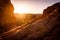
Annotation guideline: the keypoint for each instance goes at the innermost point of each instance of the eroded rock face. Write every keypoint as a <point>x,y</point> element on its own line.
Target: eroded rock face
<point>7,18</point>
<point>50,9</point>
<point>53,13</point>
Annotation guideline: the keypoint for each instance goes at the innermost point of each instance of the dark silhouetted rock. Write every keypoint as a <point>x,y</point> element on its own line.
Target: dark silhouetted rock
<point>53,13</point>
<point>50,9</point>
<point>7,19</point>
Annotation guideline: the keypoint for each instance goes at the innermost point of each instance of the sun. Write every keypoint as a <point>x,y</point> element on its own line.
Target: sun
<point>21,9</point>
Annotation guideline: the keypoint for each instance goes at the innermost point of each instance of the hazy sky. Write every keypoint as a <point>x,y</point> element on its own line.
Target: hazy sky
<point>31,6</point>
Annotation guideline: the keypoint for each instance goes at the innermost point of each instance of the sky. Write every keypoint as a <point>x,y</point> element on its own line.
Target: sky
<point>31,6</point>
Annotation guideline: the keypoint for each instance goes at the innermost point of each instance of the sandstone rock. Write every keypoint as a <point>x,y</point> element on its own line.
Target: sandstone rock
<point>7,18</point>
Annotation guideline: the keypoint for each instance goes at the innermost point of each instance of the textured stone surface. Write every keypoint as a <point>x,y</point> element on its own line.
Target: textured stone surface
<point>7,18</point>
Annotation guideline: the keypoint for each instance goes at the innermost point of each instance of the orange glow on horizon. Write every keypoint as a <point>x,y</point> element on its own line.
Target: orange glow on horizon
<point>26,8</point>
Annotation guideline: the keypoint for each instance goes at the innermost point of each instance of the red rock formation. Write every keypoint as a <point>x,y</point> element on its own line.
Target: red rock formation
<point>7,18</point>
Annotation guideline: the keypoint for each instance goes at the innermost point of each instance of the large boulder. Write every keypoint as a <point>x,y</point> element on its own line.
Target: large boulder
<point>7,19</point>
